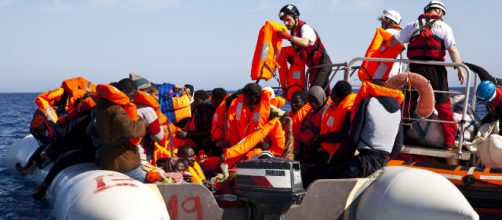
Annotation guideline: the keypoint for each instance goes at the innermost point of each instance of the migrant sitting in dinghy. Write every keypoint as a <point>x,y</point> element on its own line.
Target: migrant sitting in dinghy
<point>334,132</point>
<point>299,109</point>
<point>76,134</point>
<point>119,129</point>
<point>60,120</point>
<point>219,125</point>
<point>308,152</point>
<point>198,126</point>
<point>375,132</point>
<point>149,110</point>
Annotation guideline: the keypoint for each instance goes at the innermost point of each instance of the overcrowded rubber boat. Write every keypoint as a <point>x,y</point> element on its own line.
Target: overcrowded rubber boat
<point>85,192</point>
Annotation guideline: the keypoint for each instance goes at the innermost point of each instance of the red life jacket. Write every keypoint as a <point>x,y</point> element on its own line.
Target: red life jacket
<point>424,45</point>
<point>312,54</point>
<point>498,99</point>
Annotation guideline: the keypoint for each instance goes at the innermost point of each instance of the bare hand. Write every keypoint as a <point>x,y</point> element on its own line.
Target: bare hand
<point>181,134</point>
<point>202,158</point>
<point>461,75</point>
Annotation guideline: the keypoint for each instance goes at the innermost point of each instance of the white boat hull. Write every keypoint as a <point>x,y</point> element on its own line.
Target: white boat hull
<point>84,192</point>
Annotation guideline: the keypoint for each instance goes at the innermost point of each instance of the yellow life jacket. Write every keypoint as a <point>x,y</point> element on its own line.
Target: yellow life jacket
<point>197,173</point>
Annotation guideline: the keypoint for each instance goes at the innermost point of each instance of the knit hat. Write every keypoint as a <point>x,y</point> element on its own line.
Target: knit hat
<point>141,82</point>
<point>318,93</point>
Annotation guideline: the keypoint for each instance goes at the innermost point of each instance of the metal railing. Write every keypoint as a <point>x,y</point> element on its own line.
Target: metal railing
<point>349,70</point>
<point>335,67</point>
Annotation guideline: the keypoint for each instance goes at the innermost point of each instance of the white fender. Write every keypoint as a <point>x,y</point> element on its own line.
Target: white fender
<point>101,194</point>
<point>490,151</point>
<point>408,193</point>
<point>83,192</point>
<point>20,151</point>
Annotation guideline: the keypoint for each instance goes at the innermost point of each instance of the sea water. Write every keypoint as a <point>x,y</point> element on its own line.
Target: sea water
<point>16,111</point>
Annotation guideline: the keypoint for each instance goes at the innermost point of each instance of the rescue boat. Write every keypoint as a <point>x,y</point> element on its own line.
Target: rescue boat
<point>482,186</point>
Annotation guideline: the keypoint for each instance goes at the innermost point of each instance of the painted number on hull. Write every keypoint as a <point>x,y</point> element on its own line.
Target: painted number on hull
<point>189,205</point>
<point>111,180</point>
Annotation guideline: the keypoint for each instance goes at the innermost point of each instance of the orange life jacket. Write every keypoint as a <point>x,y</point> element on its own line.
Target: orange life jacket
<point>83,106</point>
<point>369,89</point>
<point>267,49</point>
<point>247,121</point>
<point>333,120</point>
<point>371,70</point>
<point>76,88</point>
<point>232,133</point>
<point>292,76</point>
<point>245,149</point>
<point>219,125</point>
<point>182,107</point>
<point>278,101</point>
<point>46,100</point>
<point>117,97</point>
<point>160,150</point>
<point>297,118</point>
<point>146,99</point>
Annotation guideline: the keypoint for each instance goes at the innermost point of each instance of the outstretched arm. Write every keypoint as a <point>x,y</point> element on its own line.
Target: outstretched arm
<point>455,57</point>
<point>482,73</point>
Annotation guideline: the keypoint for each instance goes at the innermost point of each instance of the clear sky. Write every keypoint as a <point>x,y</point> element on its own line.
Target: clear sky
<point>207,43</point>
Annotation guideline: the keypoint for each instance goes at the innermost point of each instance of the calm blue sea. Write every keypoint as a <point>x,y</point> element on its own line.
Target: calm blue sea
<point>16,110</point>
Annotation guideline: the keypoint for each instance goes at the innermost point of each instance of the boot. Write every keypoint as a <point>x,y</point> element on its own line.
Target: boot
<point>28,169</point>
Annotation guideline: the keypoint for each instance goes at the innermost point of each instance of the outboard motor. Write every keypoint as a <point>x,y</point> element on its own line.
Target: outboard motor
<point>271,186</point>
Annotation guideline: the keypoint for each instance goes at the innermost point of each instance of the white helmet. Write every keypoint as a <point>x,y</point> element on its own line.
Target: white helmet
<point>435,4</point>
<point>392,15</point>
